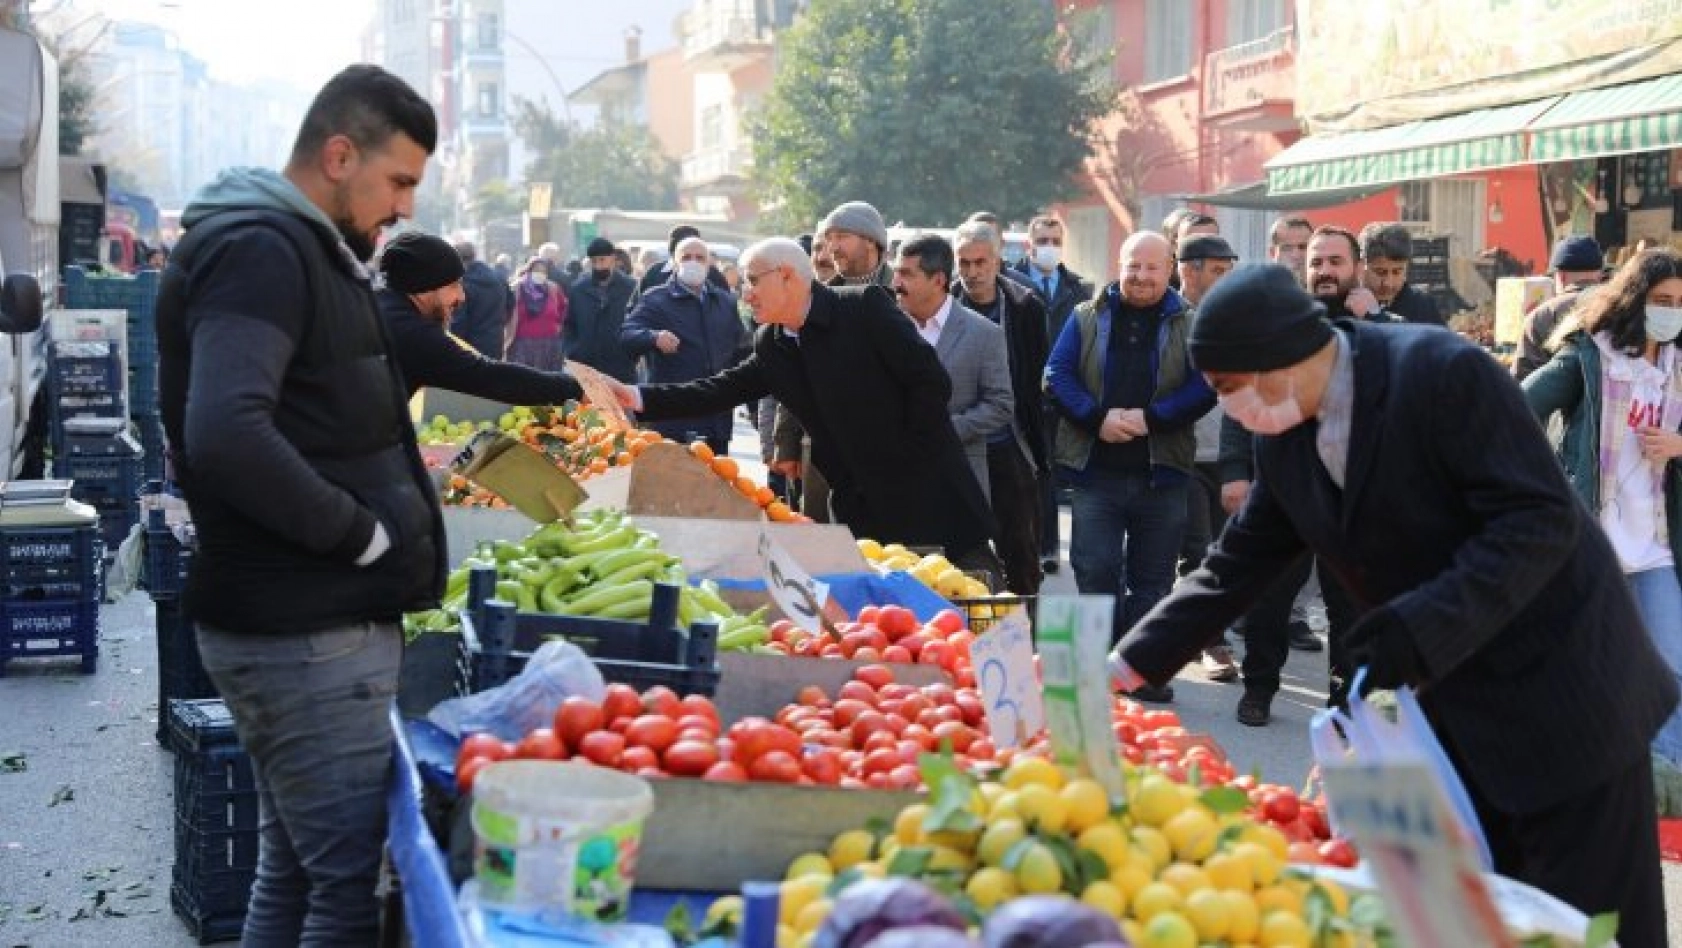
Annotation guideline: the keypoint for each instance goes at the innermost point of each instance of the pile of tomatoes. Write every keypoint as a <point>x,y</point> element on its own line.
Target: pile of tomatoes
<point>887,634</point>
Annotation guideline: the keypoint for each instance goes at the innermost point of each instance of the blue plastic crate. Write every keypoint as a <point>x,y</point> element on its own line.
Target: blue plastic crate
<point>207,927</point>
<point>167,560</point>
<point>62,408</point>
<point>87,367</point>
<point>32,550</point>
<point>201,724</point>
<point>50,629</point>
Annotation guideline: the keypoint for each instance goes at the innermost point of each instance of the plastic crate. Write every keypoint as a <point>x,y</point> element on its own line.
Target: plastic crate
<point>167,559</point>
<point>982,614</point>
<point>207,928</point>
<point>75,368</point>
<point>49,629</point>
<point>34,556</point>
<point>200,724</point>
<point>94,438</point>
<point>62,408</point>
<point>216,791</point>
<point>149,428</point>
<point>181,674</point>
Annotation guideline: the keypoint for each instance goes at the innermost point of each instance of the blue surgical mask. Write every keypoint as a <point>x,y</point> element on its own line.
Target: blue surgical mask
<point>1663,323</point>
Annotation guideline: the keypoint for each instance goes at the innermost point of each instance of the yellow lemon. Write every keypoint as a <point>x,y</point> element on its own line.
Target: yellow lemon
<point>1154,844</point>
<point>945,857</point>
<point>1284,930</point>
<point>1185,877</point>
<point>1042,808</point>
<point>1038,872</point>
<point>787,937</point>
<point>726,911</point>
<point>1131,878</point>
<point>870,549</point>
<point>812,916</point>
<point>895,549</point>
<point>991,887</point>
<point>1087,803</point>
<point>997,840</point>
<point>1208,912</point>
<point>1154,899</point>
<point>1025,771</point>
<point>1107,841</point>
<point>1243,918</point>
<point>851,848</point>
<point>908,826</point>
<point>1278,898</point>
<point>1169,930</point>
<point>1132,931</point>
<point>1192,833</point>
<point>1229,871</point>
<point>1269,836</point>
<point>1156,801</point>
<point>1264,865</point>
<point>810,864</point>
<point>796,894</point>
<point>1106,897</point>
<point>1004,807</point>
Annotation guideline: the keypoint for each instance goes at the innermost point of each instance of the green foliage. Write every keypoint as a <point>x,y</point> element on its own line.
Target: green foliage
<point>606,165</point>
<point>928,109</point>
<point>496,201</point>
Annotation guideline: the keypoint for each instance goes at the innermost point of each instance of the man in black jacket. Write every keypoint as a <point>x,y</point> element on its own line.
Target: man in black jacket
<point>318,526</point>
<point>423,288</point>
<point>596,306</point>
<point>482,321</point>
<point>1386,251</point>
<point>1407,459</point>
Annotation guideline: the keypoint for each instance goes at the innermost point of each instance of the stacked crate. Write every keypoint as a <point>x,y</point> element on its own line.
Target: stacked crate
<point>84,380</point>
<point>50,607</point>
<point>169,550</point>
<point>105,464</point>
<point>138,297</point>
<point>215,822</point>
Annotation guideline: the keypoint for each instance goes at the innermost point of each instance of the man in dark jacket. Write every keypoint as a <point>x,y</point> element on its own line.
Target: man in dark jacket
<point>1411,464</point>
<point>1577,265</point>
<point>1386,251</point>
<point>869,392</point>
<point>482,321</point>
<point>596,307</point>
<point>318,526</point>
<point>423,287</point>
<point>661,273</point>
<point>687,329</point>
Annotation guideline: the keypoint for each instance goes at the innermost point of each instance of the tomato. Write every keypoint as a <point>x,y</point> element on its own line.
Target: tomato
<point>904,777</point>
<point>662,700</point>
<point>1339,852</point>
<point>970,704</point>
<point>1303,853</point>
<point>831,650</point>
<point>878,740</point>
<point>868,614</point>
<point>776,766</point>
<point>638,758</point>
<point>958,734</point>
<point>867,654</point>
<point>541,744</point>
<point>781,629</point>
<point>948,621</point>
<point>915,705</point>
<point>935,653</point>
<point>726,770</point>
<point>812,697</point>
<point>653,731</point>
<point>577,717</point>
<point>468,770</point>
<point>1281,806</point>
<point>896,622</point>
<point>823,766</point>
<point>485,745</point>
<point>1315,819</point>
<point>604,748</point>
<point>621,701</point>
<point>847,710</point>
<point>880,761</point>
<point>701,705</point>
<point>698,722</point>
<point>866,724</point>
<point>690,758</point>
<point>763,738</point>
<point>919,735</point>
<point>652,773</point>
<point>914,644</point>
<point>808,648</point>
<point>982,749</point>
<point>876,676</point>
<point>897,654</point>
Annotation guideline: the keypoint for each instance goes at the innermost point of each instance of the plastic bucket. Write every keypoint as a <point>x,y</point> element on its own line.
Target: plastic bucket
<point>558,835</point>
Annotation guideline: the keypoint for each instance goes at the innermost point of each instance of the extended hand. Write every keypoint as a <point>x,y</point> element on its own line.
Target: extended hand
<point>625,395</point>
<point>1361,302</point>
<point>1659,445</point>
<point>666,342</point>
<point>1233,495</point>
<point>1381,642</point>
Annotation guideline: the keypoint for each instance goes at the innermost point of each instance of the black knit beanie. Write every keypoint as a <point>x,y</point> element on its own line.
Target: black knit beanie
<point>1256,320</point>
<point>414,262</point>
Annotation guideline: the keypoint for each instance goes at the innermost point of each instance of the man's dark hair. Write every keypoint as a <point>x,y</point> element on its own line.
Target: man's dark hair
<point>679,234</point>
<point>933,253</point>
<point>1381,241</point>
<point>804,240</point>
<point>466,251</point>
<point>1284,224</point>
<point>1330,229</point>
<point>367,105</point>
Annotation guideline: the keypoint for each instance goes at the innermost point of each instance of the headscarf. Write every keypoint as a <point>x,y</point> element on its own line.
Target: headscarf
<point>534,288</point>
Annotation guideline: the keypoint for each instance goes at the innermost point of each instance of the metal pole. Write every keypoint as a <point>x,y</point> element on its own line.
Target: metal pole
<point>566,108</point>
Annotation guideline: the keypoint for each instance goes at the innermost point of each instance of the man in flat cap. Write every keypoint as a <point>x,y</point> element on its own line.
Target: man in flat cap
<point>1409,462</point>
<point>423,288</point>
<point>596,306</point>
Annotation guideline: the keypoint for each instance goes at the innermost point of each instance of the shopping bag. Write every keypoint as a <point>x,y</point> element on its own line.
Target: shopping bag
<point>1365,735</point>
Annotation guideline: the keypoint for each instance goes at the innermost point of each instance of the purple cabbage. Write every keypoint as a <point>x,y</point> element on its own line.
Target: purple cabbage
<point>870,907</point>
<point>922,936</point>
<point>1049,921</point>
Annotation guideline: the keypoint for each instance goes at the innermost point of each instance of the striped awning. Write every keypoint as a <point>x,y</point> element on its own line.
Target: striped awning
<point>1616,120</point>
<point>1471,141</point>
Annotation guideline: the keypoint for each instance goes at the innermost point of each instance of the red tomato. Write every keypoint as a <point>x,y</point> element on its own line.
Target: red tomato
<point>652,773</point>
<point>621,701</point>
<point>880,761</point>
<point>866,724</point>
<point>484,745</point>
<point>638,758</point>
<point>603,747</point>
<point>948,621</point>
<point>958,734</point>
<point>970,704</point>
<point>1303,853</point>
<point>1281,806</point>
<point>904,777</point>
<point>653,731</point>
<point>982,749</point>
<point>726,770</point>
<point>690,758</point>
<point>923,737</point>
<point>831,650</point>
<point>812,697</point>
<point>935,653</point>
<point>781,628</point>
<point>896,622</point>
<point>878,740</point>
<point>897,654</point>
<point>914,706</point>
<point>808,648</point>
<point>776,766</point>
<point>760,739</point>
<point>867,654</point>
<point>822,766</point>
<point>914,644</point>
<point>577,717</point>
<point>698,722</point>
<point>699,704</point>
<point>876,676</point>
<point>868,614</point>
<point>1339,852</point>
<point>1315,819</point>
<point>541,744</point>
<point>662,700</point>
<point>468,770</point>
<point>847,710</point>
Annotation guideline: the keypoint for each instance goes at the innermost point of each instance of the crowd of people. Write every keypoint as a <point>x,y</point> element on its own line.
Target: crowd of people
<point>1222,429</point>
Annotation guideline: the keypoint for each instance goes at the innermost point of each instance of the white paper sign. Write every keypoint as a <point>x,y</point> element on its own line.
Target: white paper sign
<point>1003,658</point>
<point>1074,640</point>
<point>800,596</point>
<point>1397,814</point>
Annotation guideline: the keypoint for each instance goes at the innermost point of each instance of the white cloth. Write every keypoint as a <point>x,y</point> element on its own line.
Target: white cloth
<point>1635,493</point>
<point>930,331</point>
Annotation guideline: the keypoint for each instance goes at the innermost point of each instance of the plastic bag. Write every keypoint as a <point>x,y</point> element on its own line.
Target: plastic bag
<point>1368,737</point>
<point>556,671</point>
<point>124,575</point>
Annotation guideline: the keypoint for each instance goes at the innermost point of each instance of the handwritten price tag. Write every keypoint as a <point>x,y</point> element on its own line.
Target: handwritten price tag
<point>1004,670</point>
<point>795,592</point>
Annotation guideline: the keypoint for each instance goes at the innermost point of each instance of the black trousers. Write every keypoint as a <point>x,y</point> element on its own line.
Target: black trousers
<point>1016,506</point>
<point>1267,641</point>
<point>1598,852</point>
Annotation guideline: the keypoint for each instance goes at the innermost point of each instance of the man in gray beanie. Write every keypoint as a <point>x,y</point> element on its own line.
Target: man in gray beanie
<point>1409,462</point>
<point>857,241</point>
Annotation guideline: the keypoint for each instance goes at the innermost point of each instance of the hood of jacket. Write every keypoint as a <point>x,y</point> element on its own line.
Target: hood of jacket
<point>255,189</point>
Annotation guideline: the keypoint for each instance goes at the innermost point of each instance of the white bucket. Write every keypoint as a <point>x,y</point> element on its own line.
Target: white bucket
<point>558,835</point>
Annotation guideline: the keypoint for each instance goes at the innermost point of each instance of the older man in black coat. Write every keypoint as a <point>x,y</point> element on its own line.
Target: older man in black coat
<point>1410,463</point>
<point>869,392</point>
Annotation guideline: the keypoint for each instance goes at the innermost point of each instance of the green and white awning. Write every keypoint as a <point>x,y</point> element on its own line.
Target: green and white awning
<point>1616,120</point>
<point>1430,148</point>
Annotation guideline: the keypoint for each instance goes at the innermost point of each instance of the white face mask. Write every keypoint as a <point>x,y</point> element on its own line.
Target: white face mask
<point>1663,322</point>
<point>1246,407</point>
<point>691,272</point>
<point>1047,256</point>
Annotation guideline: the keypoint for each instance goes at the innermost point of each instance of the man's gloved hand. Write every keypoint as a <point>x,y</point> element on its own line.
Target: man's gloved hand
<point>1381,642</point>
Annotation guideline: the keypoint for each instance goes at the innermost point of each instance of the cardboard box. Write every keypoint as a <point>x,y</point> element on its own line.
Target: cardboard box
<point>1515,297</point>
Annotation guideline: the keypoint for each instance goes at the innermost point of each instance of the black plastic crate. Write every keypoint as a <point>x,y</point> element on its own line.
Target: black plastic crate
<point>208,927</point>
<point>167,558</point>
<point>216,790</point>
<point>181,674</point>
<point>95,437</point>
<point>201,723</point>
<point>87,367</point>
<point>150,430</point>
<point>50,629</point>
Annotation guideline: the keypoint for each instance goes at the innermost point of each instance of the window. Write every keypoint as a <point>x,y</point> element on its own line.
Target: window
<point>1248,20</point>
<point>488,100</point>
<point>1451,208</point>
<point>488,34</point>
<point>1168,40</point>
<point>712,127</point>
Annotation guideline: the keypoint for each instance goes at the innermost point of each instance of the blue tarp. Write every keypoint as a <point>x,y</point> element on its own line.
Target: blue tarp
<point>854,591</point>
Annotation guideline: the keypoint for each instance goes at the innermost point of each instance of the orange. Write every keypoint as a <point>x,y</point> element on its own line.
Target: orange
<point>622,459</point>
<point>763,495</point>
<point>701,450</point>
<point>726,468</point>
<point>598,465</point>
<point>745,486</point>
<point>778,511</point>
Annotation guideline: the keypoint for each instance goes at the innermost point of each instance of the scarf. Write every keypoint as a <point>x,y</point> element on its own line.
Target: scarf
<point>1617,393</point>
<point>534,295</point>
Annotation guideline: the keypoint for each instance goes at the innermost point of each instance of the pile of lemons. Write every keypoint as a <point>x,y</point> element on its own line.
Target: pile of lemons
<point>1173,872</point>
<point>933,570</point>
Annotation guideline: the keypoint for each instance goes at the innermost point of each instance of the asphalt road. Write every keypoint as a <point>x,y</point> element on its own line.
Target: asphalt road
<point>86,837</point>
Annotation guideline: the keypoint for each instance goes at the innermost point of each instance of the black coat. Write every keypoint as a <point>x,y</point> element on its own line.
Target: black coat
<point>1455,519</point>
<point>431,357</point>
<point>595,315</point>
<point>1024,323</point>
<point>872,395</point>
<point>1414,305</point>
<point>482,320</point>
<point>1071,292</point>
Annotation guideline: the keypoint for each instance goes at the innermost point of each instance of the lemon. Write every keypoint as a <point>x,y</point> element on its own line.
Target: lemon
<point>1154,844</point>
<point>1131,878</point>
<point>1169,930</point>
<point>1185,877</point>
<point>812,916</point>
<point>1132,931</point>
<point>945,857</point>
<point>1243,918</point>
<point>1042,808</point>
<point>1038,872</point>
<point>1209,913</point>
<point>1264,865</point>
<point>895,549</point>
<point>1278,898</point>
<point>1229,871</point>
<point>787,937</point>
<point>1269,836</point>
<point>870,549</point>
<point>1106,897</point>
<point>1087,803</point>
<point>851,848</point>
<point>1003,807</point>
<point>1192,833</point>
<point>1154,899</point>
<point>997,840</point>
<point>1026,771</point>
<point>991,887</point>
<point>908,826</point>
<point>1107,841</point>
<point>810,864</point>
<point>1156,801</point>
<point>1284,930</point>
<point>795,894</point>
<point>727,910</point>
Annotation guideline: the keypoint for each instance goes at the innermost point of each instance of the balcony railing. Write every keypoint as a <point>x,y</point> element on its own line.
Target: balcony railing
<point>1251,74</point>
<point>716,164</point>
<point>718,28</point>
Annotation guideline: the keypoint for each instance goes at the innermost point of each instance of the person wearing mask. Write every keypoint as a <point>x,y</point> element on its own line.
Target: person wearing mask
<point>1577,265</point>
<point>318,525</point>
<point>424,287</point>
<point>540,316</point>
<point>660,273</point>
<point>684,330</point>
<point>1616,379</point>
<point>597,303</point>
<point>482,321</point>
<point>1408,461</point>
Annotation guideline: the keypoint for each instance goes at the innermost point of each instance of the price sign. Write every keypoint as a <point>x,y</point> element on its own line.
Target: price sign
<point>1397,814</point>
<point>1003,659</point>
<point>795,592</point>
<point>1074,648</point>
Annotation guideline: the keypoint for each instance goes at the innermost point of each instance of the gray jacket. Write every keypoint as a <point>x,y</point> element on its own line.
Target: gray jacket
<point>973,351</point>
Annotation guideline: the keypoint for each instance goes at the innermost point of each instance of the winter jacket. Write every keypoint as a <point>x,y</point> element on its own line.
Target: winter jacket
<point>1024,325</point>
<point>595,314</point>
<point>483,318</point>
<point>710,336</point>
<point>432,357</point>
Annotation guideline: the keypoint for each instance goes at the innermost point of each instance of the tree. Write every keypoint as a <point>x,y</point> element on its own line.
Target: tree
<point>496,201</point>
<point>75,86</point>
<point>609,164</point>
<point>928,109</point>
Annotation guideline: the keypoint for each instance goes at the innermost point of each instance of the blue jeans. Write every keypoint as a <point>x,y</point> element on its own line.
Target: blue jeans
<point>1659,598</point>
<point>1124,541</point>
<point>311,710</point>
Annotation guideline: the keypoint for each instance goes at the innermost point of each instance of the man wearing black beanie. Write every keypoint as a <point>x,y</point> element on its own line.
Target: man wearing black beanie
<point>1409,462</point>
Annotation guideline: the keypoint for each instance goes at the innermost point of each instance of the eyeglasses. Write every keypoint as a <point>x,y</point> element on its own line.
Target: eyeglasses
<point>754,278</point>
